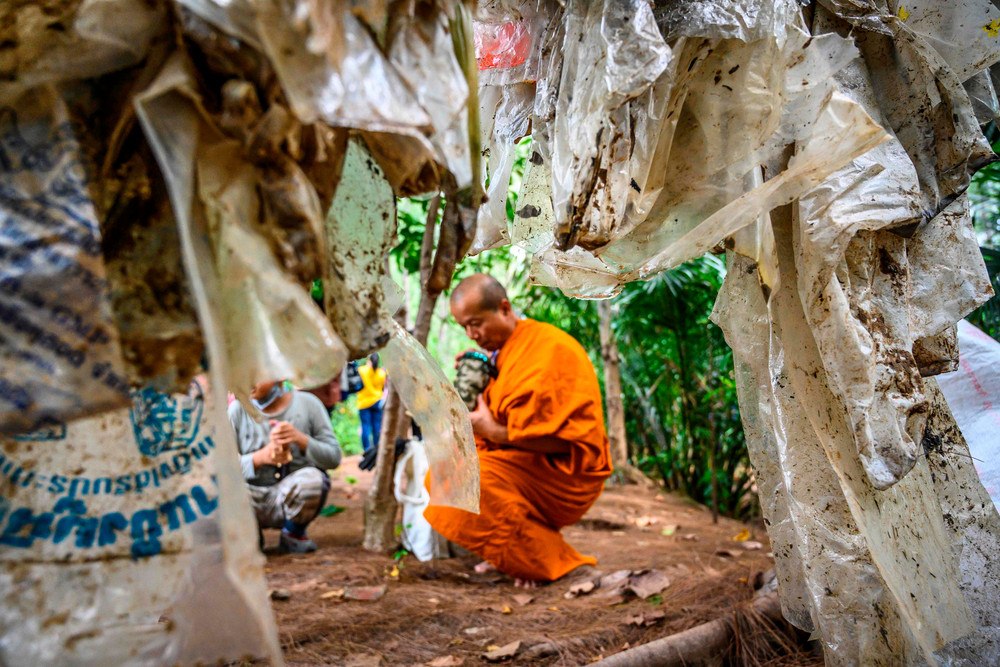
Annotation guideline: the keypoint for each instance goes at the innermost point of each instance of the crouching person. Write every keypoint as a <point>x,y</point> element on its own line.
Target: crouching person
<point>285,459</point>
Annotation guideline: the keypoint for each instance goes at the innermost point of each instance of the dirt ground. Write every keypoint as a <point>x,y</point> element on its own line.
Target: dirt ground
<point>442,613</point>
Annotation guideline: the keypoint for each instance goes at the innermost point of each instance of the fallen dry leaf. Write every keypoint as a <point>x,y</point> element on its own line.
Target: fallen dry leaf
<point>752,546</point>
<point>503,652</point>
<point>304,585</point>
<point>446,661</point>
<point>712,572</point>
<point>615,578</point>
<point>645,584</point>
<point>523,599</point>
<point>364,593</point>
<point>475,631</point>
<point>647,618</point>
<point>394,573</point>
<point>336,593</point>
<point>579,589</point>
<point>553,608</point>
<point>690,537</point>
<point>644,521</point>
<point>727,553</point>
<point>743,536</point>
<point>506,609</point>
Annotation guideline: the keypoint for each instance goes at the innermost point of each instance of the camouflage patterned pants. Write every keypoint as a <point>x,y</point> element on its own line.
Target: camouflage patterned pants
<point>297,498</point>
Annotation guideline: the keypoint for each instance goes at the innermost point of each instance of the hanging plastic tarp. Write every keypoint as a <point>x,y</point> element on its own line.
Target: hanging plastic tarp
<point>510,120</point>
<point>270,325</point>
<point>431,399</point>
<point>58,342</point>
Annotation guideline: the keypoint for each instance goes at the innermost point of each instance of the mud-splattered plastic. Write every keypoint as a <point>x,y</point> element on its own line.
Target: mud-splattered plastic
<point>50,43</point>
<point>434,403</point>
<point>269,326</point>
<point>59,346</point>
<point>511,118</point>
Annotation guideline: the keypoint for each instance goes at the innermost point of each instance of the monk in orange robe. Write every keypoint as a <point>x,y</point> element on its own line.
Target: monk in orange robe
<point>539,427</point>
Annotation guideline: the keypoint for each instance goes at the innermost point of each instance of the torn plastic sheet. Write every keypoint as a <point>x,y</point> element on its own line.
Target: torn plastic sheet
<point>433,402</point>
<point>828,583</point>
<point>271,327</point>
<point>889,521</point>
<point>937,354</point>
<point>921,99</point>
<point>116,543</point>
<point>747,21</point>
<point>853,283</point>
<point>983,95</point>
<point>612,51</point>
<point>332,69</point>
<point>48,43</point>
<point>360,230</point>
<point>421,50</point>
<point>948,279</point>
<point>841,132</point>
<point>974,528</point>
<point>902,524</point>
<point>511,121</point>
<point>959,30</point>
<point>60,351</point>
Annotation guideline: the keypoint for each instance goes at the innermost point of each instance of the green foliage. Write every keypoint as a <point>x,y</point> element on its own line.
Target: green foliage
<point>682,418</point>
<point>347,425</point>
<point>984,198</point>
<point>681,411</point>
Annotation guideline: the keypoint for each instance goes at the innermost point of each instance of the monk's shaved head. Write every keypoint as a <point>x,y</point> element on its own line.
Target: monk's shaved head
<point>480,305</point>
<point>485,291</point>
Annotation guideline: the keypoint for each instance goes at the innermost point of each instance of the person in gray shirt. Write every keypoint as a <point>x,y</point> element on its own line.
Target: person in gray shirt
<point>285,459</point>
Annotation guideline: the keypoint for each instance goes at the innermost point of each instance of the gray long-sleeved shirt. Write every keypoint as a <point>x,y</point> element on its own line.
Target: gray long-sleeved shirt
<point>306,413</point>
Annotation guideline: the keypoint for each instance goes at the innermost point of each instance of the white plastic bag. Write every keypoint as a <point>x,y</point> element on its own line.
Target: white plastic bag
<point>419,538</point>
<point>973,394</point>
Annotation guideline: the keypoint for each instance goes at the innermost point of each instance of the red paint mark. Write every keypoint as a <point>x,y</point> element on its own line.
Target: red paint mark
<point>502,46</point>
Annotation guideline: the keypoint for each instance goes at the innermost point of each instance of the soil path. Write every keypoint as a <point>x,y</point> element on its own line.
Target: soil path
<point>433,611</point>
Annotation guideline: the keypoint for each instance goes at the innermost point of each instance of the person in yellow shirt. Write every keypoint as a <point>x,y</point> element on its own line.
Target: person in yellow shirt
<point>371,398</point>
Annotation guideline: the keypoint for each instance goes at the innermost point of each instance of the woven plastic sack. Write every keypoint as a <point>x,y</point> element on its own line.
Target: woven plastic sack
<point>120,534</point>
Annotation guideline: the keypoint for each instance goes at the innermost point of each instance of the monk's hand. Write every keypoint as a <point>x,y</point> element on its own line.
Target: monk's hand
<point>483,423</point>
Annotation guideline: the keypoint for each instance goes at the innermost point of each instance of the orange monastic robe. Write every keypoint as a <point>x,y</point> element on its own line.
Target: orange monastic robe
<point>546,388</point>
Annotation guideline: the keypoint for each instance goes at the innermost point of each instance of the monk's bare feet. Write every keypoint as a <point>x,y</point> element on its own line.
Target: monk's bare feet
<point>527,584</point>
<point>484,567</point>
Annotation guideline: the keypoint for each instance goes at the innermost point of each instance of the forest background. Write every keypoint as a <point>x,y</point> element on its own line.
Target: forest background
<point>682,417</point>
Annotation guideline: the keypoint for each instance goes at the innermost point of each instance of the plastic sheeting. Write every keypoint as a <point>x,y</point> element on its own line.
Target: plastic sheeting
<point>431,399</point>
<point>59,347</point>
<point>120,534</point>
<point>973,394</point>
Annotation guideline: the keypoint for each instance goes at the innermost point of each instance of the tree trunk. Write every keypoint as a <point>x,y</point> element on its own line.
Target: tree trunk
<point>615,409</point>
<point>701,645</point>
<point>380,505</point>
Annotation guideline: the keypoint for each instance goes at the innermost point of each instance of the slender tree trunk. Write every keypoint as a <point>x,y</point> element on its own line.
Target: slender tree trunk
<point>380,505</point>
<point>615,409</point>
